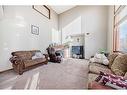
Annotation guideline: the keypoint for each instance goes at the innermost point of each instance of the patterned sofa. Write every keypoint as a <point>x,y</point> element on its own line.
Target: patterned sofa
<point>117,65</point>
<point>22,60</point>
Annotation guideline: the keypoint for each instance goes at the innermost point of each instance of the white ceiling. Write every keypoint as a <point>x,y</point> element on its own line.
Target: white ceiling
<point>61,8</point>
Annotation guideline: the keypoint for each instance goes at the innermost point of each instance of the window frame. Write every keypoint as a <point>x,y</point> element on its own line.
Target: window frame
<point>115,27</point>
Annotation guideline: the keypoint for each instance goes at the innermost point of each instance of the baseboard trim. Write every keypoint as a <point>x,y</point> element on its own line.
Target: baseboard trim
<point>6,70</point>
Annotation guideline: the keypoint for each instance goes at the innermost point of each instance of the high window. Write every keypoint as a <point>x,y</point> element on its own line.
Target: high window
<point>120,29</point>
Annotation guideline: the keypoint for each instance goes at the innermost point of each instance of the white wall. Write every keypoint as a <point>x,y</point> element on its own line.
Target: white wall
<point>110,29</point>
<point>86,19</point>
<point>76,42</point>
<point>1,12</point>
<point>15,31</point>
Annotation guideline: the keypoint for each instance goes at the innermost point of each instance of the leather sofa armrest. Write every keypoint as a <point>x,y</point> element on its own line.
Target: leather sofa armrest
<point>46,56</point>
<point>15,60</point>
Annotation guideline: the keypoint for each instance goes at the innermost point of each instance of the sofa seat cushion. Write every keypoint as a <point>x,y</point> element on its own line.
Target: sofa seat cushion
<point>98,64</point>
<point>119,66</point>
<point>92,77</point>
<point>96,68</point>
<point>28,63</point>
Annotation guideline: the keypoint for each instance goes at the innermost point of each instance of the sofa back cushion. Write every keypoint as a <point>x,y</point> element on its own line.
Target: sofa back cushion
<point>119,66</point>
<point>111,58</point>
<point>25,54</point>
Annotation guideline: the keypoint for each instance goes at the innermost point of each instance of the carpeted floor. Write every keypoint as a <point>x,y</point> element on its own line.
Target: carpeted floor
<point>70,74</point>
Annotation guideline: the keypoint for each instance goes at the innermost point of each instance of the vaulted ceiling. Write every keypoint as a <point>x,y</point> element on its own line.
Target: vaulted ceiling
<point>61,8</point>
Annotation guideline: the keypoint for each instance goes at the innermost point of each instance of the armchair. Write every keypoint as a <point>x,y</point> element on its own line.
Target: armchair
<point>53,55</point>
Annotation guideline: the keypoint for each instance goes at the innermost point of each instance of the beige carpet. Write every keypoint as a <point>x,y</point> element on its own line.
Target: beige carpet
<point>70,74</point>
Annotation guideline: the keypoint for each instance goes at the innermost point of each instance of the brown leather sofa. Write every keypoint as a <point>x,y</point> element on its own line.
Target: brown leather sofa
<point>22,60</point>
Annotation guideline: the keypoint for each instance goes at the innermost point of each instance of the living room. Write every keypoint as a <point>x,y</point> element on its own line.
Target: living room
<point>31,28</point>
<point>16,23</point>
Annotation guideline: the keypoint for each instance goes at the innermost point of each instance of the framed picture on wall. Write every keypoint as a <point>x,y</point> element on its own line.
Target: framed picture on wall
<point>42,9</point>
<point>34,30</point>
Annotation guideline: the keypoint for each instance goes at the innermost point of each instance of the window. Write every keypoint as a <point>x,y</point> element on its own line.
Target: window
<point>123,36</point>
<point>120,29</point>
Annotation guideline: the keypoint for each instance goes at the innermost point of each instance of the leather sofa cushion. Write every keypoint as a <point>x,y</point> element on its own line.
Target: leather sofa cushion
<point>96,68</point>
<point>25,54</point>
<point>119,66</point>
<point>111,58</point>
<point>28,63</point>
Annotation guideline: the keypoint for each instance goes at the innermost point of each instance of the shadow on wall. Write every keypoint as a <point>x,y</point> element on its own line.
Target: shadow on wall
<point>73,28</point>
<point>86,19</point>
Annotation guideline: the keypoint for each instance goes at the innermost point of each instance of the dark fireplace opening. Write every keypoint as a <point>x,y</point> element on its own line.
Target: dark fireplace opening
<point>77,52</point>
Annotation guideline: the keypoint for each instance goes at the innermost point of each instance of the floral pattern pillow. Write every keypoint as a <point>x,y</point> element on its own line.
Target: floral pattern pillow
<point>114,81</point>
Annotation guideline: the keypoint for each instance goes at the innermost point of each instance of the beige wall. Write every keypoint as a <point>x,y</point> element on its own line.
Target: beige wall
<point>86,19</point>
<point>15,31</point>
<point>110,30</point>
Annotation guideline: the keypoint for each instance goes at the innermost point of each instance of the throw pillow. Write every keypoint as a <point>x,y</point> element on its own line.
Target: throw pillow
<point>111,58</point>
<point>119,66</point>
<point>100,58</point>
<point>38,55</point>
<point>111,80</point>
<point>95,85</point>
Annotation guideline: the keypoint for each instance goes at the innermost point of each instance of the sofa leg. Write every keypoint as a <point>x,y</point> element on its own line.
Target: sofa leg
<point>46,62</point>
<point>20,72</point>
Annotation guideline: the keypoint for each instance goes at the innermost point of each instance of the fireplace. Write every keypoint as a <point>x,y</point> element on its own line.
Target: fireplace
<point>77,52</point>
